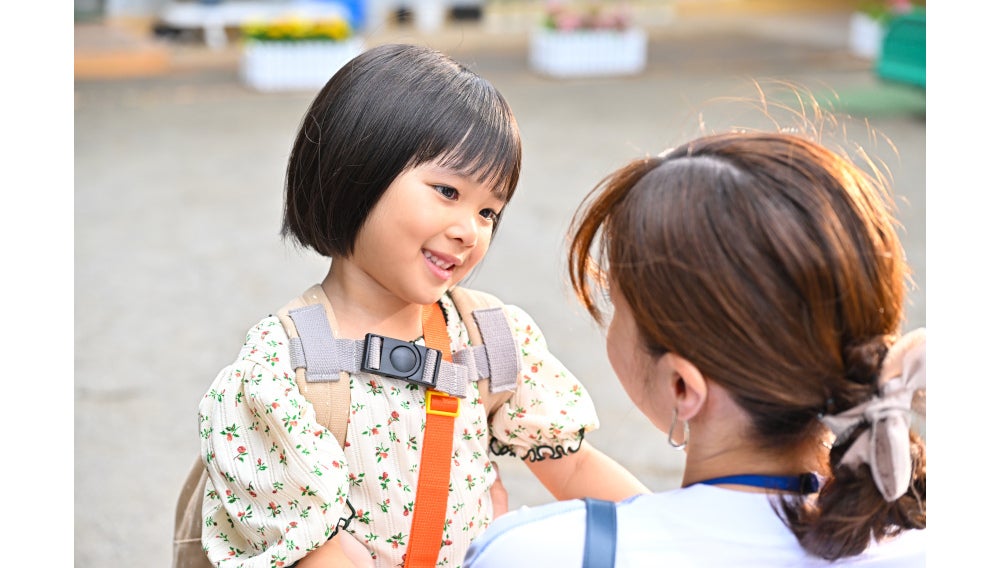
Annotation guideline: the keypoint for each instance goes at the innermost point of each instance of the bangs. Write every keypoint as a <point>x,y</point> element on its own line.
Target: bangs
<point>479,139</point>
<point>490,157</point>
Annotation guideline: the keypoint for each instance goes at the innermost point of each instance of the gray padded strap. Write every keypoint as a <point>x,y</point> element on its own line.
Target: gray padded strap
<point>317,350</point>
<point>324,356</point>
<point>503,359</point>
<point>295,352</point>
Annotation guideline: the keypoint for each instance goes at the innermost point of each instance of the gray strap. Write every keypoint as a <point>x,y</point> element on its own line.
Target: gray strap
<point>297,355</point>
<point>428,376</point>
<point>482,361</point>
<point>324,356</point>
<point>453,377</point>
<point>374,356</point>
<point>503,359</point>
<point>474,359</point>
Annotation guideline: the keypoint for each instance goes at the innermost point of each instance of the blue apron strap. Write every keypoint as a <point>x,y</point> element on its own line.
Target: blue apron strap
<point>601,534</point>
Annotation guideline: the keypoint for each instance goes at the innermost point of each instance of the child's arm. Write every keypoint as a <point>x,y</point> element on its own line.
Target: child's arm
<point>341,551</point>
<point>498,494</point>
<point>587,472</point>
<point>551,409</point>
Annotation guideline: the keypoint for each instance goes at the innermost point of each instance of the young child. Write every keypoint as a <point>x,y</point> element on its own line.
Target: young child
<point>758,288</point>
<point>399,173</point>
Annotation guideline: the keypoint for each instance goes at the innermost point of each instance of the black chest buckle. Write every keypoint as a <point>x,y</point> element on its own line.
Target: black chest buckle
<point>398,359</point>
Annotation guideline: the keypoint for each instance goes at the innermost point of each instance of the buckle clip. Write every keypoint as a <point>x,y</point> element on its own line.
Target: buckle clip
<point>398,359</point>
<point>431,393</point>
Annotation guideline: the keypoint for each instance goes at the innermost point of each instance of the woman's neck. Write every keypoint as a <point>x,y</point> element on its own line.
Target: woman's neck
<point>719,446</point>
<point>362,306</point>
<point>704,465</point>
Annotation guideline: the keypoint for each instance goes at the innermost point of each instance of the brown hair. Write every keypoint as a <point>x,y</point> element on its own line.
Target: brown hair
<point>772,264</point>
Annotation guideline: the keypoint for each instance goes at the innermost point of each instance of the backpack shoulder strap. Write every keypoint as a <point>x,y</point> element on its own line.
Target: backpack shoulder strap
<point>332,397</point>
<point>487,324</point>
<point>467,300</point>
<point>188,520</point>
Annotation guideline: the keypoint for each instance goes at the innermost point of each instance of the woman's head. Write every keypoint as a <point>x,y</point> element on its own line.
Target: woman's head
<point>771,264</point>
<point>768,261</point>
<point>389,109</point>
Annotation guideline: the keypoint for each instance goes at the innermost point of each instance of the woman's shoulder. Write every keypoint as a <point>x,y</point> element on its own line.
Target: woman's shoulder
<point>713,526</point>
<point>514,535</point>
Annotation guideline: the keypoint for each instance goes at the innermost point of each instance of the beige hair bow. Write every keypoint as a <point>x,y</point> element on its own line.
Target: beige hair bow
<point>885,447</point>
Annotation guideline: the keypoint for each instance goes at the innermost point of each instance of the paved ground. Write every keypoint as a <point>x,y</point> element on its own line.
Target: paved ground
<point>178,201</point>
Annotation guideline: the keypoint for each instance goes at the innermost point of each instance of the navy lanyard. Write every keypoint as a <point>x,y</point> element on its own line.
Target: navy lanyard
<point>805,483</point>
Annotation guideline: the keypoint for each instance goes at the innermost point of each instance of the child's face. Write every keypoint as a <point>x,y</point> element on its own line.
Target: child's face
<point>431,227</point>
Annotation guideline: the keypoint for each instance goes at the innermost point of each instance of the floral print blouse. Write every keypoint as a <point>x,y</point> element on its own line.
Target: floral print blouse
<point>280,484</point>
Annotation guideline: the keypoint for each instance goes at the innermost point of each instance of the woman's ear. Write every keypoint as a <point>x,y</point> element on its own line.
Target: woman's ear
<point>686,383</point>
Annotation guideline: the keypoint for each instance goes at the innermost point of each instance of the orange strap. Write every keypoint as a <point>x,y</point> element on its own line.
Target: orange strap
<point>436,330</point>
<point>431,502</point>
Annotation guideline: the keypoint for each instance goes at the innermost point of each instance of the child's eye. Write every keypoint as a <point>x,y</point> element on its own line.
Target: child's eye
<point>446,191</point>
<point>490,215</point>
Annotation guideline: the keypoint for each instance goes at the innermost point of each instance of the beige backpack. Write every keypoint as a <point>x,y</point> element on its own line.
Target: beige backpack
<point>332,402</point>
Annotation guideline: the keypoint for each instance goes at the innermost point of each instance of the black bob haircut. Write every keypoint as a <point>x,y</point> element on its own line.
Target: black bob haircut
<point>391,108</point>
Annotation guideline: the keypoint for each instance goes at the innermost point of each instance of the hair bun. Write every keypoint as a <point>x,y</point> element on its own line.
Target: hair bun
<point>862,361</point>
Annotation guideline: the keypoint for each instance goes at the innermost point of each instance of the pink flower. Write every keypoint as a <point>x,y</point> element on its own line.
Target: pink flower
<point>568,22</point>
<point>900,6</point>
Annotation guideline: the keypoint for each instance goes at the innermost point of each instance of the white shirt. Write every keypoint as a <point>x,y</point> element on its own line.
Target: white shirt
<point>279,482</point>
<point>699,526</point>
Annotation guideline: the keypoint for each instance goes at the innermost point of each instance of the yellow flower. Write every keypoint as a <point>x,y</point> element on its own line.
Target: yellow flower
<point>336,29</point>
<point>297,29</point>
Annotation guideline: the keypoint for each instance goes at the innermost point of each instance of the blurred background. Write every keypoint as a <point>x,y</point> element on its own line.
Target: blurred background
<point>184,113</point>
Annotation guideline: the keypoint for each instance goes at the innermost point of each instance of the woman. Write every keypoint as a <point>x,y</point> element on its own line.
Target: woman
<point>757,284</point>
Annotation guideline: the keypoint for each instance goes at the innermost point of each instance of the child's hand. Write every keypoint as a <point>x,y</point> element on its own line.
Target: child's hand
<point>356,552</point>
<point>341,551</point>
<point>498,494</point>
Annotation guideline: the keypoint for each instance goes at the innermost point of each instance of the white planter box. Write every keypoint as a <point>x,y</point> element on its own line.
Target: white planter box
<point>588,52</point>
<point>294,65</point>
<point>865,36</point>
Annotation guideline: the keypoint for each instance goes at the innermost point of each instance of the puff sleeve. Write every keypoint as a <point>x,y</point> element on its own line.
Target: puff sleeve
<point>278,480</point>
<point>550,410</point>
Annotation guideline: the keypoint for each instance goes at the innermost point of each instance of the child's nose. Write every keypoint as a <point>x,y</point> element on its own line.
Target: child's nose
<point>464,229</point>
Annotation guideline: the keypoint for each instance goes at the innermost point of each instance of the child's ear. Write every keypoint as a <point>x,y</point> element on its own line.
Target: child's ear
<point>687,384</point>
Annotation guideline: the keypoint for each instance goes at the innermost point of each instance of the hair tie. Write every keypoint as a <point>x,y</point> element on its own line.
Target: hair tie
<point>885,446</point>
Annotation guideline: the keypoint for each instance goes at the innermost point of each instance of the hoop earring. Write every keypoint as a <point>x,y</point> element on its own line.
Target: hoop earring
<point>670,434</point>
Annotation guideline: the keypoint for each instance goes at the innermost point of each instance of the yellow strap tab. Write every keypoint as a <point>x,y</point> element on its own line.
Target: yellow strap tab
<point>441,403</point>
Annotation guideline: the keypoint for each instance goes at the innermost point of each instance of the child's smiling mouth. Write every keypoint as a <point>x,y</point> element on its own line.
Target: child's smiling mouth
<point>442,267</point>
